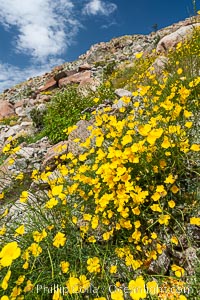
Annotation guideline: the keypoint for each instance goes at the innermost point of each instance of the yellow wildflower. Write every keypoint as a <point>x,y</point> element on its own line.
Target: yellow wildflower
<point>20,176</point>
<point>113,269</point>
<point>179,71</point>
<point>174,189</point>
<point>179,272</point>
<point>35,249</point>
<point>117,295</point>
<point>20,279</point>
<point>6,148</point>
<point>64,266</point>
<point>84,283</point>
<point>171,204</point>
<point>29,286</point>
<point>2,230</point>
<point>137,288</point>
<point>59,239</point>
<point>164,219</point>
<point>51,203</point>
<point>138,55</point>
<point>10,252</point>
<point>152,287</point>
<point>153,235</point>
<point>57,295</point>
<point>73,285</point>
<point>24,196</point>
<point>170,179</point>
<point>156,207</point>
<point>166,143</point>
<point>93,265</point>
<point>57,190</point>
<point>4,298</point>
<point>20,230</point>
<point>195,147</point>
<point>195,221</point>
<point>39,236</point>
<point>174,240</point>
<point>96,100</point>
<point>4,283</point>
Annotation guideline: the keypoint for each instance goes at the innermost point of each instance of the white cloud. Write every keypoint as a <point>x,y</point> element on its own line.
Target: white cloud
<point>95,7</point>
<point>45,27</point>
<point>11,75</point>
<point>44,30</point>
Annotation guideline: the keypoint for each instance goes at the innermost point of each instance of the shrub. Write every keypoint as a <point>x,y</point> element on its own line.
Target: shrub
<point>66,107</point>
<point>64,111</point>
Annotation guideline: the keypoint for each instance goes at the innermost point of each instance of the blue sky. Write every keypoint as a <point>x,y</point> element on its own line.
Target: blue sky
<point>36,35</point>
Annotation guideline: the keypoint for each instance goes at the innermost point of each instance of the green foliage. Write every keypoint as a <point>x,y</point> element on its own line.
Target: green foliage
<point>66,107</point>
<point>64,111</point>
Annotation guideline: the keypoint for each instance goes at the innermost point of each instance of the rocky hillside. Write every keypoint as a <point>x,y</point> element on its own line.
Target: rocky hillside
<point>101,155</point>
<point>96,58</point>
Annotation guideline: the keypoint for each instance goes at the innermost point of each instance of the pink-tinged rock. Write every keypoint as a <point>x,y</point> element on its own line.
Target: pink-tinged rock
<point>76,78</point>
<point>53,152</point>
<point>64,74</point>
<point>50,85</point>
<point>171,40</point>
<point>6,109</point>
<point>84,67</point>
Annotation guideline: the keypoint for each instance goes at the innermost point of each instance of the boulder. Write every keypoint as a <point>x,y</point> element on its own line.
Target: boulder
<point>122,92</point>
<point>84,67</point>
<point>171,40</point>
<point>6,109</point>
<point>76,78</point>
<point>50,85</point>
<point>190,260</point>
<point>161,265</point>
<point>159,64</point>
<point>64,74</point>
<point>53,152</point>
<point>26,152</point>
<point>82,133</point>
